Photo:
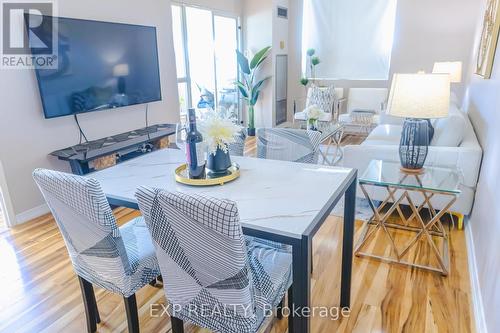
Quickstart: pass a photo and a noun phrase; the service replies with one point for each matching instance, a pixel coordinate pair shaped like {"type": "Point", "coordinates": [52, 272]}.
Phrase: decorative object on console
{"type": "Point", "coordinates": [219, 133]}
{"type": "Point", "coordinates": [249, 86]}
{"type": "Point", "coordinates": [418, 98]}
{"type": "Point", "coordinates": [489, 39]}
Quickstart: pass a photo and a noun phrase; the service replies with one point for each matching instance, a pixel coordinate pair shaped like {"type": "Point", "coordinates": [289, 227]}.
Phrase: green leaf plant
{"type": "Point", "coordinates": [249, 86]}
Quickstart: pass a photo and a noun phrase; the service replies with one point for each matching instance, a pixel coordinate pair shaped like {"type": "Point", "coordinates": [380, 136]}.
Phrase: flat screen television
{"type": "Point", "coordinates": [101, 66]}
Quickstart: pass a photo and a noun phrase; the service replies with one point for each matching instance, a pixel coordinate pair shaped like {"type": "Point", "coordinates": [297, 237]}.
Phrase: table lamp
{"type": "Point", "coordinates": [418, 98]}
{"type": "Point", "coordinates": [452, 68]}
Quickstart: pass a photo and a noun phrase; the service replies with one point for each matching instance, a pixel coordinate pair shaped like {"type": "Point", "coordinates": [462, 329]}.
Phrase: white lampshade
{"type": "Point", "coordinates": [453, 68]}
{"type": "Point", "coordinates": [421, 96]}
{"type": "Point", "coordinates": [120, 70]}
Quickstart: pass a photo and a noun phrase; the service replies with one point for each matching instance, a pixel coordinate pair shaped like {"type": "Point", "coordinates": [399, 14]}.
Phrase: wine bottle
{"type": "Point", "coordinates": [194, 148]}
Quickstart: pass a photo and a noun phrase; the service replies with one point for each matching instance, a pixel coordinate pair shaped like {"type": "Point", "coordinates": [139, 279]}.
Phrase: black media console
{"type": "Point", "coordinates": [119, 148]}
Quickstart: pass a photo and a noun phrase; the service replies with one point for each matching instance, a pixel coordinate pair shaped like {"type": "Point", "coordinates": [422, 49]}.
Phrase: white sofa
{"type": "Point", "coordinates": [383, 144]}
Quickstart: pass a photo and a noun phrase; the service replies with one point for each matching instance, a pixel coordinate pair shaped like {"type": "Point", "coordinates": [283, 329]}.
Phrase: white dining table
{"type": "Point", "coordinates": [281, 201]}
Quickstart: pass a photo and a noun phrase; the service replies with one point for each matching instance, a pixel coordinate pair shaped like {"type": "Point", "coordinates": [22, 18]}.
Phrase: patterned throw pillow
{"type": "Point", "coordinates": [322, 97]}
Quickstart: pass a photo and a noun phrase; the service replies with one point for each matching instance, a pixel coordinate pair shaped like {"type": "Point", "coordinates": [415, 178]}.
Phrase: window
{"type": "Point", "coordinates": [205, 46]}
{"type": "Point", "coordinates": [353, 39]}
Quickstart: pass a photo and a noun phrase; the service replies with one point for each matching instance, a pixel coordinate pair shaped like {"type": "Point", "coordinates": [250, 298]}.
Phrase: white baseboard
{"type": "Point", "coordinates": [32, 213]}
{"type": "Point", "coordinates": [477, 298]}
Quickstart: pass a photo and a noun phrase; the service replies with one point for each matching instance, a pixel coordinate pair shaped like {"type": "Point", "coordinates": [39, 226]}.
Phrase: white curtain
{"type": "Point", "coordinates": [352, 38]}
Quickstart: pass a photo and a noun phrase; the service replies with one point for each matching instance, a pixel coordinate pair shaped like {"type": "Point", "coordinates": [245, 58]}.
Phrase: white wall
{"type": "Point", "coordinates": [426, 31]}
{"type": "Point", "coordinates": [257, 34]}
{"type": "Point", "coordinates": [26, 137]}
{"type": "Point", "coordinates": [483, 104]}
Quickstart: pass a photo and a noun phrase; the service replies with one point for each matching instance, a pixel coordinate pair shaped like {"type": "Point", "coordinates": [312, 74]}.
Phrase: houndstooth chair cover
{"type": "Point", "coordinates": [237, 148]}
{"type": "Point", "coordinates": [207, 263]}
{"type": "Point", "coordinates": [122, 259]}
{"type": "Point", "coordinates": [287, 144]}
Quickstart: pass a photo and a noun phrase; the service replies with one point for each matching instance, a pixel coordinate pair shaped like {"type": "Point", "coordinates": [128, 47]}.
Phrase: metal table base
{"type": "Point", "coordinates": [333, 140]}
{"type": "Point", "coordinates": [426, 230]}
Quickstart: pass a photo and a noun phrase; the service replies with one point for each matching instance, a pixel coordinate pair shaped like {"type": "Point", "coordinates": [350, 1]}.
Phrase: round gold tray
{"type": "Point", "coordinates": [182, 176]}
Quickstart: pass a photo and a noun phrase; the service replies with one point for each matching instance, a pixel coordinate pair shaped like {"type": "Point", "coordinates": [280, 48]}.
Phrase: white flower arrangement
{"type": "Point", "coordinates": [218, 132]}
{"type": "Point", "coordinates": [313, 112]}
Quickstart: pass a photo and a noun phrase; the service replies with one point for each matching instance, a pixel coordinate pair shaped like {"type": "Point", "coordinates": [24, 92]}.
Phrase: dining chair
{"type": "Point", "coordinates": [209, 265]}
{"type": "Point", "coordinates": [287, 144]}
{"type": "Point", "coordinates": [118, 259]}
{"type": "Point", "coordinates": [237, 148]}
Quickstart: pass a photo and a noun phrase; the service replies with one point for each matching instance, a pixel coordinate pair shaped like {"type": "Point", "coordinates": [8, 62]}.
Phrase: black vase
{"type": "Point", "coordinates": [218, 163]}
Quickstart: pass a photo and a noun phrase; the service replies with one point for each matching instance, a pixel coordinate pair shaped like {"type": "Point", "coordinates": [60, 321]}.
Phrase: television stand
{"type": "Point", "coordinates": [99, 154]}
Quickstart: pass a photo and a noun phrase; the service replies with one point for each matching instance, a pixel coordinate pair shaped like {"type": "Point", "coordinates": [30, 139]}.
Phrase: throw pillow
{"type": "Point", "coordinates": [449, 131]}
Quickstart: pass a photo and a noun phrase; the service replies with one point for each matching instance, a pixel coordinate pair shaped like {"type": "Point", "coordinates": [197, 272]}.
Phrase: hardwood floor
{"type": "Point", "coordinates": [39, 291]}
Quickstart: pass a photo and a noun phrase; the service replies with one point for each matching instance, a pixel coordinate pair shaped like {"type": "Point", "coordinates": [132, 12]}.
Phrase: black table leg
{"type": "Point", "coordinates": [347, 245]}
{"type": "Point", "coordinates": [301, 287]}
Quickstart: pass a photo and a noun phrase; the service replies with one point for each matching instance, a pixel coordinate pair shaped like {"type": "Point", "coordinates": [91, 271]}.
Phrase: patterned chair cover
{"type": "Point", "coordinates": [120, 260]}
{"type": "Point", "coordinates": [207, 263]}
{"type": "Point", "coordinates": [287, 144]}
{"type": "Point", "coordinates": [237, 148]}
{"type": "Point", "coordinates": [323, 97]}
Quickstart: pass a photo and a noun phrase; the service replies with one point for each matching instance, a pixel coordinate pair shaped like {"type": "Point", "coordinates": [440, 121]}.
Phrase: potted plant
{"type": "Point", "coordinates": [218, 133]}
{"type": "Point", "coordinates": [249, 86]}
{"type": "Point", "coordinates": [313, 114]}
{"type": "Point", "coordinates": [305, 82]}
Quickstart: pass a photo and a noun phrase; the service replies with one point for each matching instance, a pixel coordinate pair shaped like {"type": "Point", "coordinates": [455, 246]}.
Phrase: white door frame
{"type": "Point", "coordinates": [5, 202]}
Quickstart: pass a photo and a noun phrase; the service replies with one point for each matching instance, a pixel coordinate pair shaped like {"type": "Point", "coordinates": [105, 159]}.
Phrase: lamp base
{"type": "Point", "coordinates": [412, 171]}
{"type": "Point", "coordinates": [414, 144]}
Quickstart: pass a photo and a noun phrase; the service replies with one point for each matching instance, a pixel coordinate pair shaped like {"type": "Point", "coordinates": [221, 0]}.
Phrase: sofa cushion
{"type": "Point", "coordinates": [449, 131]}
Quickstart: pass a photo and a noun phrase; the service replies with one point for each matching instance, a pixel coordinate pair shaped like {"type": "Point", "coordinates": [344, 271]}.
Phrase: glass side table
{"type": "Point", "coordinates": [331, 135]}
{"type": "Point", "coordinates": [415, 190]}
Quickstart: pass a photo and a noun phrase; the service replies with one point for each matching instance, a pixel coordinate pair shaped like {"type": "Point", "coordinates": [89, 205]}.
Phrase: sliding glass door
{"type": "Point", "coordinates": [205, 44]}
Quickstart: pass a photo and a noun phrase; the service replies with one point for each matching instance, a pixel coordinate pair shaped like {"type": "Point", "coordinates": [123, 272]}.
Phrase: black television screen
{"type": "Point", "coordinates": [100, 66]}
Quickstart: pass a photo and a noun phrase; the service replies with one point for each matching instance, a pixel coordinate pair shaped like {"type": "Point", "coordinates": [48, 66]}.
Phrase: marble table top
{"type": "Point", "coordinates": [274, 196]}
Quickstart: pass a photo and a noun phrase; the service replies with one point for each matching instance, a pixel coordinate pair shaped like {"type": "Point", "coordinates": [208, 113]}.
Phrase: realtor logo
{"type": "Point", "coordinates": [29, 35]}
